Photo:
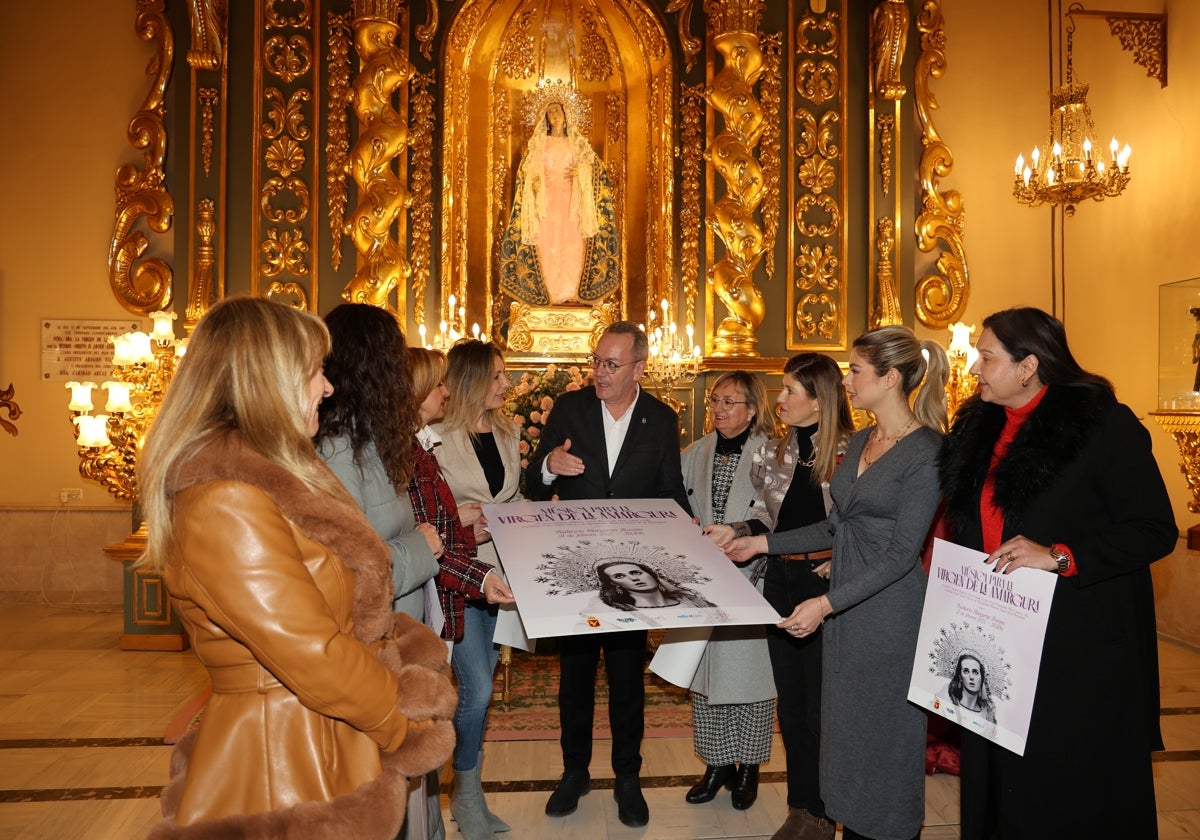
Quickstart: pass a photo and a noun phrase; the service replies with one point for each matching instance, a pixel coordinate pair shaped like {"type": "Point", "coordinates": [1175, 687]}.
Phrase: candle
{"type": "Point", "coordinates": [162, 331]}
{"type": "Point", "coordinates": [960, 338]}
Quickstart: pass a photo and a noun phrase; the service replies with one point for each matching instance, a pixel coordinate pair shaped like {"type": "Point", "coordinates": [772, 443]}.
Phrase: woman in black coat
{"type": "Point", "coordinates": [1043, 468]}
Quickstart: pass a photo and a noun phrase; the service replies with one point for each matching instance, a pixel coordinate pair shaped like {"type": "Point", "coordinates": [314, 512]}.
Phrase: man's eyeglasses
{"type": "Point", "coordinates": [724, 403]}
{"type": "Point", "coordinates": [608, 365]}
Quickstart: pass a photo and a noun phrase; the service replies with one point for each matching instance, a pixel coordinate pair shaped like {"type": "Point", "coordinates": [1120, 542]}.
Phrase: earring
{"type": "Point", "coordinates": [1025, 383]}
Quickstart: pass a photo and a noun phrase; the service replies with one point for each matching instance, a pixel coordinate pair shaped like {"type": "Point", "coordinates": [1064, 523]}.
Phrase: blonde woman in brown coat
{"type": "Point", "coordinates": [324, 702]}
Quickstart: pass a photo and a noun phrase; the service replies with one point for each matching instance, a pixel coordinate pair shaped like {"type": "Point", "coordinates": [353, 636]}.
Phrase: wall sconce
{"type": "Point", "coordinates": [962, 355]}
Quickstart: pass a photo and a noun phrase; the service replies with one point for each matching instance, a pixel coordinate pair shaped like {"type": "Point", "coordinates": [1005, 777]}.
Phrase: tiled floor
{"type": "Point", "coordinates": [81, 756]}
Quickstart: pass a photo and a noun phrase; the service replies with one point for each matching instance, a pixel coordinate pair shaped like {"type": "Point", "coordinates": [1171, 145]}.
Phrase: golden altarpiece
{"type": "Point", "coordinates": [767, 175]}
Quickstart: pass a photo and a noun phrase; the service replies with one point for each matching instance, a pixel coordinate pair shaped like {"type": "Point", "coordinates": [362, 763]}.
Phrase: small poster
{"type": "Point", "coordinates": [980, 645]}
{"type": "Point", "coordinates": [599, 566]}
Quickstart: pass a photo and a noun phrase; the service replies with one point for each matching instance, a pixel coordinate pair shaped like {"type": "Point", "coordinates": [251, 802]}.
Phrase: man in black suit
{"type": "Point", "coordinates": [610, 441]}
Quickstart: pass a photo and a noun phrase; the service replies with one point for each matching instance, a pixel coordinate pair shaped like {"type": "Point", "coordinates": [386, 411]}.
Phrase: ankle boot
{"type": "Point", "coordinates": [495, 823]}
{"type": "Point", "coordinates": [713, 780]}
{"type": "Point", "coordinates": [467, 805]}
{"type": "Point", "coordinates": [802, 825]}
{"type": "Point", "coordinates": [745, 786]}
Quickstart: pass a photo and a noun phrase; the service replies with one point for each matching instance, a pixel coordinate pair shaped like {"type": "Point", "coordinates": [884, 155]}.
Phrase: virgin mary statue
{"type": "Point", "coordinates": [560, 246]}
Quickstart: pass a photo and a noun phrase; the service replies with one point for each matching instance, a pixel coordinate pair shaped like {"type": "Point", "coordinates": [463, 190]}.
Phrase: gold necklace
{"type": "Point", "coordinates": [890, 440]}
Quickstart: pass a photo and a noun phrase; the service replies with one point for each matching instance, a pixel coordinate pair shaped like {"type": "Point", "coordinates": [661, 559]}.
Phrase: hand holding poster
{"type": "Point", "coordinates": [980, 644]}
{"type": "Point", "coordinates": [598, 566]}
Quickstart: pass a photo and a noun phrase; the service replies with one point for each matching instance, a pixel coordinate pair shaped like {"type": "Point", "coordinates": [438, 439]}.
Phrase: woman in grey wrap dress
{"type": "Point", "coordinates": [885, 495]}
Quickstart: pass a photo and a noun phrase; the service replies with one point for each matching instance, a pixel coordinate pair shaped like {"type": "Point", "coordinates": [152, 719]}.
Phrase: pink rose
{"type": "Point", "coordinates": [534, 432]}
{"type": "Point", "coordinates": [547, 403]}
{"type": "Point", "coordinates": [573, 386]}
{"type": "Point", "coordinates": [535, 417]}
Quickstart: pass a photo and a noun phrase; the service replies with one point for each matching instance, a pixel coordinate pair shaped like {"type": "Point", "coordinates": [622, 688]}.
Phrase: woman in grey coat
{"type": "Point", "coordinates": [733, 695]}
{"type": "Point", "coordinates": [885, 495]}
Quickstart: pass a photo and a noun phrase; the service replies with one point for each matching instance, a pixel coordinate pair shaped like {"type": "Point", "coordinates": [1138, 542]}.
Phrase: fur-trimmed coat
{"type": "Point", "coordinates": [1080, 472]}
{"type": "Point", "coordinates": [324, 701]}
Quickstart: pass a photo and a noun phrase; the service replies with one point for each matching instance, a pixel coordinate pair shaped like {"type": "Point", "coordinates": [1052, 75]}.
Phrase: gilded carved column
{"type": "Point", "coordinates": [734, 25]}
{"type": "Point", "coordinates": [382, 138]}
{"type": "Point", "coordinates": [145, 287]}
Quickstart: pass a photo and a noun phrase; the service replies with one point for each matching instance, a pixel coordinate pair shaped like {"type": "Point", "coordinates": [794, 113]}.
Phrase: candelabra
{"type": "Point", "coordinates": [673, 359]}
{"type": "Point", "coordinates": [109, 442]}
{"type": "Point", "coordinates": [451, 329]}
{"type": "Point", "coordinates": [109, 445]}
{"type": "Point", "coordinates": [962, 355]}
{"type": "Point", "coordinates": [1072, 174]}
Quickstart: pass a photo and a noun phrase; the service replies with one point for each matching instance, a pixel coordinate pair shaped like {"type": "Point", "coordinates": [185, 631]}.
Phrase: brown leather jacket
{"type": "Point", "coordinates": [312, 675]}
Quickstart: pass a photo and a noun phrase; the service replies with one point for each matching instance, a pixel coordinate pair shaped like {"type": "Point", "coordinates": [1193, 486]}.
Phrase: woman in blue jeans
{"type": "Point", "coordinates": [480, 459]}
{"type": "Point", "coordinates": [792, 475]}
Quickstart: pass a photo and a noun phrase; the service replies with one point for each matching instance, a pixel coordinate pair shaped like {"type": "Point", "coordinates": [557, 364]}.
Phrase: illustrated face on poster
{"type": "Point", "coordinates": [965, 656]}
{"type": "Point", "coordinates": [626, 565]}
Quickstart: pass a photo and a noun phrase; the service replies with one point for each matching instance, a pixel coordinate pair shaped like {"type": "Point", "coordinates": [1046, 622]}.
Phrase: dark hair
{"type": "Point", "coordinates": [956, 686]}
{"type": "Point", "coordinates": [641, 344]}
{"type": "Point", "coordinates": [821, 379]}
{"type": "Point", "coordinates": [373, 399]}
{"type": "Point", "coordinates": [620, 599]}
{"type": "Point", "coordinates": [1027, 331]}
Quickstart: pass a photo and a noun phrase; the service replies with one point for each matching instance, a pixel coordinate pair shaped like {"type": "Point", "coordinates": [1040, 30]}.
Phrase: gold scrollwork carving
{"type": "Point", "coordinates": [145, 287]}
{"type": "Point", "coordinates": [818, 266]}
{"type": "Point", "coordinates": [286, 115]}
{"type": "Point", "coordinates": [518, 47]}
{"type": "Point", "coordinates": [886, 126]}
{"type": "Point", "coordinates": [817, 80]}
{"type": "Point", "coordinates": [887, 306]}
{"type": "Point", "coordinates": [818, 36]}
{"type": "Point", "coordinates": [824, 202]}
{"type": "Point", "coordinates": [202, 283]}
{"type": "Point", "coordinates": [284, 251]}
{"type": "Point", "coordinates": [10, 406]}
{"type": "Point", "coordinates": [807, 325]}
{"type": "Point", "coordinates": [428, 30]}
{"type": "Point", "coordinates": [423, 124]}
{"type": "Point", "coordinates": [691, 138]}
{"type": "Point", "coordinates": [208, 99]}
{"type": "Point", "coordinates": [1184, 429]}
{"type": "Point", "coordinates": [275, 19]}
{"type": "Point", "coordinates": [383, 137]}
{"type": "Point", "coordinates": [595, 64]}
{"type": "Point", "coordinates": [278, 291]}
{"type": "Point", "coordinates": [771, 143]}
{"type": "Point", "coordinates": [940, 298]}
{"type": "Point", "coordinates": [691, 46]}
{"type": "Point", "coordinates": [817, 136]}
{"type": "Point", "coordinates": [889, 37]}
{"type": "Point", "coordinates": [337, 143]}
{"type": "Point", "coordinates": [273, 187]}
{"type": "Point", "coordinates": [732, 155]}
{"type": "Point", "coordinates": [208, 34]}
{"type": "Point", "coordinates": [1146, 37]}
{"type": "Point", "coordinates": [287, 58]}
{"type": "Point", "coordinates": [817, 174]}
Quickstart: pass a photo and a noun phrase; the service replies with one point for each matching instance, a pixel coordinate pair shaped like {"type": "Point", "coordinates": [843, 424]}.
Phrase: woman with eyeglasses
{"type": "Point", "coordinates": [733, 696]}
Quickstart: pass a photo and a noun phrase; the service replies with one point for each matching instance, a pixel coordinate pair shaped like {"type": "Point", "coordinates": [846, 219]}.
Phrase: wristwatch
{"type": "Point", "coordinates": [1061, 556]}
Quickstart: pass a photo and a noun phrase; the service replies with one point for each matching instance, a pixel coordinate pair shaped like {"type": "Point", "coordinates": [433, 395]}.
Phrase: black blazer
{"type": "Point", "coordinates": [647, 468]}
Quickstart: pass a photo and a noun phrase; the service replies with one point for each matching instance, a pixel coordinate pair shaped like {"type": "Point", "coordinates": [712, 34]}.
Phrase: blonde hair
{"type": "Point", "coordinates": [922, 365]}
{"type": "Point", "coordinates": [428, 369]}
{"type": "Point", "coordinates": [756, 400]}
{"type": "Point", "coordinates": [821, 379]}
{"type": "Point", "coordinates": [469, 374]}
{"type": "Point", "coordinates": [248, 367]}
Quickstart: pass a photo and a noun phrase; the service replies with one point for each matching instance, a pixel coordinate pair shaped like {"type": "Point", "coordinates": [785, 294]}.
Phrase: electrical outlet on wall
{"type": "Point", "coordinates": [70, 494]}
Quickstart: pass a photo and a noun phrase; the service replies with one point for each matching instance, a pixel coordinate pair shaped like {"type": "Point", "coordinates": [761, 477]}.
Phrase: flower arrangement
{"type": "Point", "coordinates": [532, 398]}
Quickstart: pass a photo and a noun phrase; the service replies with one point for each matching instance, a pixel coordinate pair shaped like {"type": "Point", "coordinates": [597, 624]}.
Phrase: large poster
{"type": "Point", "coordinates": [631, 564]}
{"type": "Point", "coordinates": [980, 645]}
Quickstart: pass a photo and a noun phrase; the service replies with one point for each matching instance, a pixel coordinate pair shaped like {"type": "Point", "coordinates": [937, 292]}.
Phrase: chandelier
{"type": "Point", "coordinates": [1068, 170]}
{"type": "Point", "coordinates": [673, 359]}
{"type": "Point", "coordinates": [109, 443]}
{"type": "Point", "coordinates": [961, 384]}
